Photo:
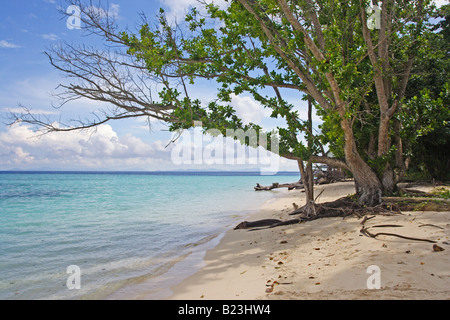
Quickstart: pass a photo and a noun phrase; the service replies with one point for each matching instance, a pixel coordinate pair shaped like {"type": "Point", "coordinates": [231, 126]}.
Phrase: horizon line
{"type": "Point", "coordinates": [135, 171]}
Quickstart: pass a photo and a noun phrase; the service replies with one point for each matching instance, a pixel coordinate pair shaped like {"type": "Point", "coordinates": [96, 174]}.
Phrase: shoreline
{"type": "Point", "coordinates": [158, 286]}
{"type": "Point", "coordinates": [323, 259]}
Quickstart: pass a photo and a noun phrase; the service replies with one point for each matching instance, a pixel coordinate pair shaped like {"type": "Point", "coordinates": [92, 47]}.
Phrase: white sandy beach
{"type": "Point", "coordinates": [325, 259]}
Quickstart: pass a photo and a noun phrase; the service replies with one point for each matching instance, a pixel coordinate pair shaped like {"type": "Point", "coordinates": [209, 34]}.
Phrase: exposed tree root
{"type": "Point", "coordinates": [347, 206]}
{"type": "Point", "coordinates": [342, 207]}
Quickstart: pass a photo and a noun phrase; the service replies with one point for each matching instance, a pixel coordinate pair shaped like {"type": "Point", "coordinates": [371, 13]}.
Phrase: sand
{"type": "Point", "coordinates": [327, 258]}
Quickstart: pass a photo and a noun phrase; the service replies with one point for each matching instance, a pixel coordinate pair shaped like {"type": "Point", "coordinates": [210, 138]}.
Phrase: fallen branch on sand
{"type": "Point", "coordinates": [266, 223]}
{"type": "Point", "coordinates": [365, 232]}
{"type": "Point", "coordinates": [430, 225]}
{"type": "Point", "coordinates": [419, 203]}
{"type": "Point", "coordinates": [275, 185]}
{"type": "Point", "coordinates": [387, 226]}
{"type": "Point", "coordinates": [320, 177]}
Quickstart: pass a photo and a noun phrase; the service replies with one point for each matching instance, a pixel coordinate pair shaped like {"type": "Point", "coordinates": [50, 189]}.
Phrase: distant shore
{"type": "Point", "coordinates": [157, 172]}
{"type": "Point", "coordinates": [327, 258]}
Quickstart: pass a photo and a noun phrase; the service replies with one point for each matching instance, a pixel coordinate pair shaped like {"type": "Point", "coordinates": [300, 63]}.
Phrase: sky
{"type": "Point", "coordinates": [27, 29]}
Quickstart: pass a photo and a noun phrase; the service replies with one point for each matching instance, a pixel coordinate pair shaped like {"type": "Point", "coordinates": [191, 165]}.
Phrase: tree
{"type": "Point", "coordinates": [425, 117]}
{"type": "Point", "coordinates": [321, 49]}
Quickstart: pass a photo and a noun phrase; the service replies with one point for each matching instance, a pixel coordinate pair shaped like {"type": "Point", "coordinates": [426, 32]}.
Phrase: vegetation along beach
{"type": "Point", "coordinates": [225, 150]}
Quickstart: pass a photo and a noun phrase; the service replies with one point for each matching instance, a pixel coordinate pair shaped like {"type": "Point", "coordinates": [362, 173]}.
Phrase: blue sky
{"type": "Point", "coordinates": [27, 29]}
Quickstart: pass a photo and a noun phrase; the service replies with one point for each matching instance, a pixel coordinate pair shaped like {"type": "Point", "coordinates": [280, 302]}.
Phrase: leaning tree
{"type": "Point", "coordinates": [355, 75]}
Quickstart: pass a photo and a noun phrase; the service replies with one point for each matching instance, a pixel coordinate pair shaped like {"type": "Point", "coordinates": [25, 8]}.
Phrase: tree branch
{"type": "Point", "coordinates": [296, 66]}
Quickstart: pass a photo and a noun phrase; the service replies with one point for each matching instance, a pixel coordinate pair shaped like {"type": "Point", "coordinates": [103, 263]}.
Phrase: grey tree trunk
{"type": "Point", "coordinates": [368, 186]}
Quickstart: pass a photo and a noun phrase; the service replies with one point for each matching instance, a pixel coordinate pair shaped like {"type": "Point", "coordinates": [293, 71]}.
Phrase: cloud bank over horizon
{"type": "Point", "coordinates": [22, 148]}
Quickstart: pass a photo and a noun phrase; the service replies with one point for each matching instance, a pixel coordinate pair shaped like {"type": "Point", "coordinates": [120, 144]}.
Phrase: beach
{"type": "Point", "coordinates": [327, 258]}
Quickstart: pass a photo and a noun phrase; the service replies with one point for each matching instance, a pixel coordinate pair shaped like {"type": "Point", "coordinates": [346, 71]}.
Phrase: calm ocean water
{"type": "Point", "coordinates": [120, 229]}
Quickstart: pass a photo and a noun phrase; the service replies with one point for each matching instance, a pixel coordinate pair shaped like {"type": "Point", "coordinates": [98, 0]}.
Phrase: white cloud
{"type": "Point", "coordinates": [248, 109]}
{"type": "Point", "coordinates": [21, 147]}
{"type": "Point", "coordinates": [177, 9]}
{"type": "Point", "coordinates": [440, 3]}
{"type": "Point", "coordinates": [8, 45]}
{"type": "Point", "coordinates": [113, 11]}
{"type": "Point", "coordinates": [49, 36]}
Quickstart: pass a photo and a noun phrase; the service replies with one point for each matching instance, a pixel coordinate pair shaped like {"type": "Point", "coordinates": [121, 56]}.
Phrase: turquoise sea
{"type": "Point", "coordinates": [131, 234]}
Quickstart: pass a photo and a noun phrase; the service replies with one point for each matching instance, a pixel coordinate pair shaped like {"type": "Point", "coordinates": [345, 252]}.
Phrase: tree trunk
{"type": "Point", "coordinates": [400, 163]}
{"type": "Point", "coordinates": [309, 209]}
{"type": "Point", "coordinates": [308, 175]}
{"type": "Point", "coordinates": [388, 180]}
{"type": "Point", "coordinates": [368, 186]}
{"type": "Point", "coordinates": [307, 179]}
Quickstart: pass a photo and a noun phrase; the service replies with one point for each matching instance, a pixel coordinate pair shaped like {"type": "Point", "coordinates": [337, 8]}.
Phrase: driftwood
{"type": "Point", "coordinates": [415, 199]}
{"type": "Point", "coordinates": [320, 177]}
{"type": "Point", "coordinates": [414, 193]}
{"type": "Point", "coordinates": [366, 218]}
{"type": "Point", "coordinates": [387, 226]}
{"type": "Point", "coordinates": [419, 203]}
{"type": "Point", "coordinates": [275, 185]}
{"type": "Point", "coordinates": [365, 232]}
{"type": "Point", "coordinates": [266, 223]}
{"type": "Point", "coordinates": [431, 225]}
{"type": "Point", "coordinates": [328, 176]}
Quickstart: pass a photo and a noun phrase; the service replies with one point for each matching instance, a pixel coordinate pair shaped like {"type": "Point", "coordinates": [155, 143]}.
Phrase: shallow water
{"type": "Point", "coordinates": [120, 229]}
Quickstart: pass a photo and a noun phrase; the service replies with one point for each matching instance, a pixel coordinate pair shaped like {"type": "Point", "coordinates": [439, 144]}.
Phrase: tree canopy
{"type": "Point", "coordinates": [361, 80]}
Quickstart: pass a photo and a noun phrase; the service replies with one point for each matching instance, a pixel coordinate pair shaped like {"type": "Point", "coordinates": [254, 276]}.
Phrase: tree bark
{"type": "Point", "coordinates": [388, 180]}
{"type": "Point", "coordinates": [308, 182]}
{"type": "Point", "coordinates": [307, 179]}
{"type": "Point", "coordinates": [367, 184]}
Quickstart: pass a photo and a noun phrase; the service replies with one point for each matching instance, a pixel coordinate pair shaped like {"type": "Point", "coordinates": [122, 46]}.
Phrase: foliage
{"type": "Point", "coordinates": [426, 113]}
{"type": "Point", "coordinates": [241, 57]}
{"type": "Point", "coordinates": [280, 52]}
{"type": "Point", "coordinates": [441, 193]}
